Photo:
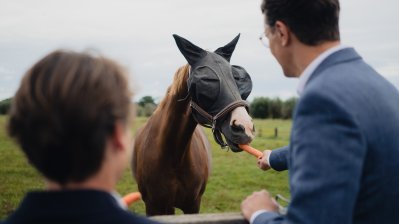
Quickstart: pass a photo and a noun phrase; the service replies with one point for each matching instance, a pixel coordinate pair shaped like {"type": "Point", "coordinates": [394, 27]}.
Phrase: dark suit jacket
{"type": "Point", "coordinates": [72, 207]}
{"type": "Point", "coordinates": [343, 157]}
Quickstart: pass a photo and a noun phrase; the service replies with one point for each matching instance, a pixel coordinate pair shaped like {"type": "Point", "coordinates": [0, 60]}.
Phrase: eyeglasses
{"type": "Point", "coordinates": [264, 36]}
{"type": "Point", "coordinates": [264, 39]}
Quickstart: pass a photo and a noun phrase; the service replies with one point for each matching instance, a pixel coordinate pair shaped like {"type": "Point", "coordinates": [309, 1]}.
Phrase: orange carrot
{"type": "Point", "coordinates": [258, 154]}
{"type": "Point", "coordinates": [131, 198]}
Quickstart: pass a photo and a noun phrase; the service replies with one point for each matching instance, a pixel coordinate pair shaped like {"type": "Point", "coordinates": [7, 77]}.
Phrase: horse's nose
{"type": "Point", "coordinates": [241, 123]}
{"type": "Point", "coordinates": [239, 129]}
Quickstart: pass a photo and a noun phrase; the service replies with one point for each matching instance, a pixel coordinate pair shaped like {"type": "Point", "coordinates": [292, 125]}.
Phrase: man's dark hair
{"type": "Point", "coordinates": [312, 21]}
{"type": "Point", "coordinates": [64, 110]}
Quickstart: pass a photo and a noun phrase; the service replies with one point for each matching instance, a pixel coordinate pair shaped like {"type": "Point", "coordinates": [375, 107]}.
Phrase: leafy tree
{"type": "Point", "coordinates": [275, 108]}
{"type": "Point", "coordinates": [288, 108]}
{"type": "Point", "coordinates": [5, 106]}
{"type": "Point", "coordinates": [264, 107]}
{"type": "Point", "coordinates": [146, 106]}
{"type": "Point", "coordinates": [146, 100]}
{"type": "Point", "coordinates": [259, 107]}
{"type": "Point", "coordinates": [149, 108]}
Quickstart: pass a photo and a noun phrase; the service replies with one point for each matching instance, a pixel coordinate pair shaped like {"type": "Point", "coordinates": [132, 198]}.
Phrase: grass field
{"type": "Point", "coordinates": [233, 177]}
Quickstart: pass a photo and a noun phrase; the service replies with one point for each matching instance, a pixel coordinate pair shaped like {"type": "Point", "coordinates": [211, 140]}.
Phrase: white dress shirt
{"type": "Point", "coordinates": [119, 200]}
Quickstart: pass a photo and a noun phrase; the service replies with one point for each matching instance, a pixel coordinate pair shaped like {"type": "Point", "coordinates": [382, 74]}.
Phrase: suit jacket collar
{"type": "Point", "coordinates": [67, 202]}
{"type": "Point", "coordinates": [307, 73]}
{"type": "Point", "coordinates": [341, 56]}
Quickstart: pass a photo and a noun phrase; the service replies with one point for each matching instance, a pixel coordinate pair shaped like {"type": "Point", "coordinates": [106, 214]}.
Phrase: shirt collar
{"type": "Point", "coordinates": [307, 73]}
{"type": "Point", "coordinates": [119, 200]}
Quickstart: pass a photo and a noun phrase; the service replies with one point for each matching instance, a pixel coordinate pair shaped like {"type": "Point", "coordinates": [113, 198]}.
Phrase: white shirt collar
{"type": "Point", "coordinates": [119, 200]}
{"type": "Point", "coordinates": [307, 73]}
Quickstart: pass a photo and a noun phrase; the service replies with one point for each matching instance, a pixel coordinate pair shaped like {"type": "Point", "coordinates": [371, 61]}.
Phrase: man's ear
{"type": "Point", "coordinates": [283, 33]}
{"type": "Point", "coordinates": [118, 137]}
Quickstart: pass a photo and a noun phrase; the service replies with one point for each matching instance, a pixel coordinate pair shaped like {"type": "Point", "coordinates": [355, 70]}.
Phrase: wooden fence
{"type": "Point", "coordinates": [219, 218]}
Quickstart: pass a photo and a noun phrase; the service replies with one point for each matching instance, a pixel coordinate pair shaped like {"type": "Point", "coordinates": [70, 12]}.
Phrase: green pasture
{"type": "Point", "coordinates": [233, 177]}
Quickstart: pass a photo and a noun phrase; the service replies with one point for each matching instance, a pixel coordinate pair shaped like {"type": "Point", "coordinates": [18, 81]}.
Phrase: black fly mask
{"type": "Point", "coordinates": [216, 88]}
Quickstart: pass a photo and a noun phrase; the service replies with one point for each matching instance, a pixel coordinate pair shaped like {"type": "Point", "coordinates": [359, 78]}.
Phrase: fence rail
{"type": "Point", "coordinates": [217, 218]}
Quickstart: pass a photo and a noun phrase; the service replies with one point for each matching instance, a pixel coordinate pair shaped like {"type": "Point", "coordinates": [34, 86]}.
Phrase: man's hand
{"type": "Point", "coordinates": [257, 201]}
{"type": "Point", "coordinates": [263, 162]}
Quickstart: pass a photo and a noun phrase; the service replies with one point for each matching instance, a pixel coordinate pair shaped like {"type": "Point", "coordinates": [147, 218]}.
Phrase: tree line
{"type": "Point", "coordinates": [274, 108]}
{"type": "Point", "coordinates": [260, 107]}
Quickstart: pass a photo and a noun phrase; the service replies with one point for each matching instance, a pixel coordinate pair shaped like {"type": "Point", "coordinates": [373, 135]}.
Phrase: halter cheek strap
{"type": "Point", "coordinates": [214, 119]}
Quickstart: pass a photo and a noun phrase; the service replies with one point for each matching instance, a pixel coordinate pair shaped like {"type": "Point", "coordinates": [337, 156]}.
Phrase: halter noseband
{"type": "Point", "coordinates": [213, 119]}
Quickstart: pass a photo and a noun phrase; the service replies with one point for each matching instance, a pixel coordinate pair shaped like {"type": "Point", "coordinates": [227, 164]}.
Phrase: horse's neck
{"type": "Point", "coordinates": [174, 116]}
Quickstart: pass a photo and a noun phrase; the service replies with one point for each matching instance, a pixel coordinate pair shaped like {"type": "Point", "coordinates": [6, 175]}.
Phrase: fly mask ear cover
{"type": "Point", "coordinates": [243, 81]}
{"type": "Point", "coordinates": [216, 87]}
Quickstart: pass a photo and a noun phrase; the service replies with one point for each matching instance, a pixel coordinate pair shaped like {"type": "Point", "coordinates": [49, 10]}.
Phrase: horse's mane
{"type": "Point", "coordinates": [178, 88]}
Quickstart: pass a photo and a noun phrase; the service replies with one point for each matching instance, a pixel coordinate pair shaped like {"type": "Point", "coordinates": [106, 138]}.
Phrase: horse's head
{"type": "Point", "coordinates": [218, 91]}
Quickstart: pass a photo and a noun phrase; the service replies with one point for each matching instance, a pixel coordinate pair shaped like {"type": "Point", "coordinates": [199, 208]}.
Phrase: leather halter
{"type": "Point", "coordinates": [214, 119]}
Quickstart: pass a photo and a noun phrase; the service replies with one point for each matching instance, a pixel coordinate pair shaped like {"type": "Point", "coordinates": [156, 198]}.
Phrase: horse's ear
{"type": "Point", "coordinates": [228, 49]}
{"type": "Point", "coordinates": [243, 81]}
{"type": "Point", "coordinates": [191, 52]}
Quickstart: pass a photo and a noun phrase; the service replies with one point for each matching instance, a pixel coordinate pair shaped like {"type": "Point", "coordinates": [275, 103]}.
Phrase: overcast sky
{"type": "Point", "coordinates": [138, 34]}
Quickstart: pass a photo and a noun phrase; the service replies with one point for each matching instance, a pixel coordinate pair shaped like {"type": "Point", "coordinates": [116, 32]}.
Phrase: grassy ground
{"type": "Point", "coordinates": [234, 175]}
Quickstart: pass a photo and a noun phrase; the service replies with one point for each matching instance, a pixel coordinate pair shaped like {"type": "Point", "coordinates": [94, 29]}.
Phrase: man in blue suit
{"type": "Point", "coordinates": [343, 156]}
{"type": "Point", "coordinates": [72, 117]}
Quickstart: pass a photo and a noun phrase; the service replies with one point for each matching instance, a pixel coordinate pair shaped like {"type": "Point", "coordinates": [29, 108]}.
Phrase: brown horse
{"type": "Point", "coordinates": [172, 155]}
{"type": "Point", "coordinates": [171, 159]}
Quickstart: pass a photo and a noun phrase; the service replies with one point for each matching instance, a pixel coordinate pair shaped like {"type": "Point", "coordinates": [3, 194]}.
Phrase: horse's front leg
{"type": "Point", "coordinates": [155, 208]}
{"type": "Point", "coordinates": [192, 207]}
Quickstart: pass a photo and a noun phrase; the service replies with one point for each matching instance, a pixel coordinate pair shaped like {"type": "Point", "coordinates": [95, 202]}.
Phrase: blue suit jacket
{"type": "Point", "coordinates": [343, 157]}
{"type": "Point", "coordinates": [67, 207]}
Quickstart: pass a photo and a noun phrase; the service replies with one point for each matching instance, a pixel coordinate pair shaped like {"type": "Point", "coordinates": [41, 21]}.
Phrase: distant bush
{"type": "Point", "coordinates": [146, 100]}
{"type": "Point", "coordinates": [5, 106]}
{"type": "Point", "coordinates": [264, 107]}
{"type": "Point", "coordinates": [259, 107]}
{"type": "Point", "coordinates": [145, 106]}
{"type": "Point", "coordinates": [146, 110]}
{"type": "Point", "coordinates": [288, 107]}
{"type": "Point", "coordinates": [275, 108]}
